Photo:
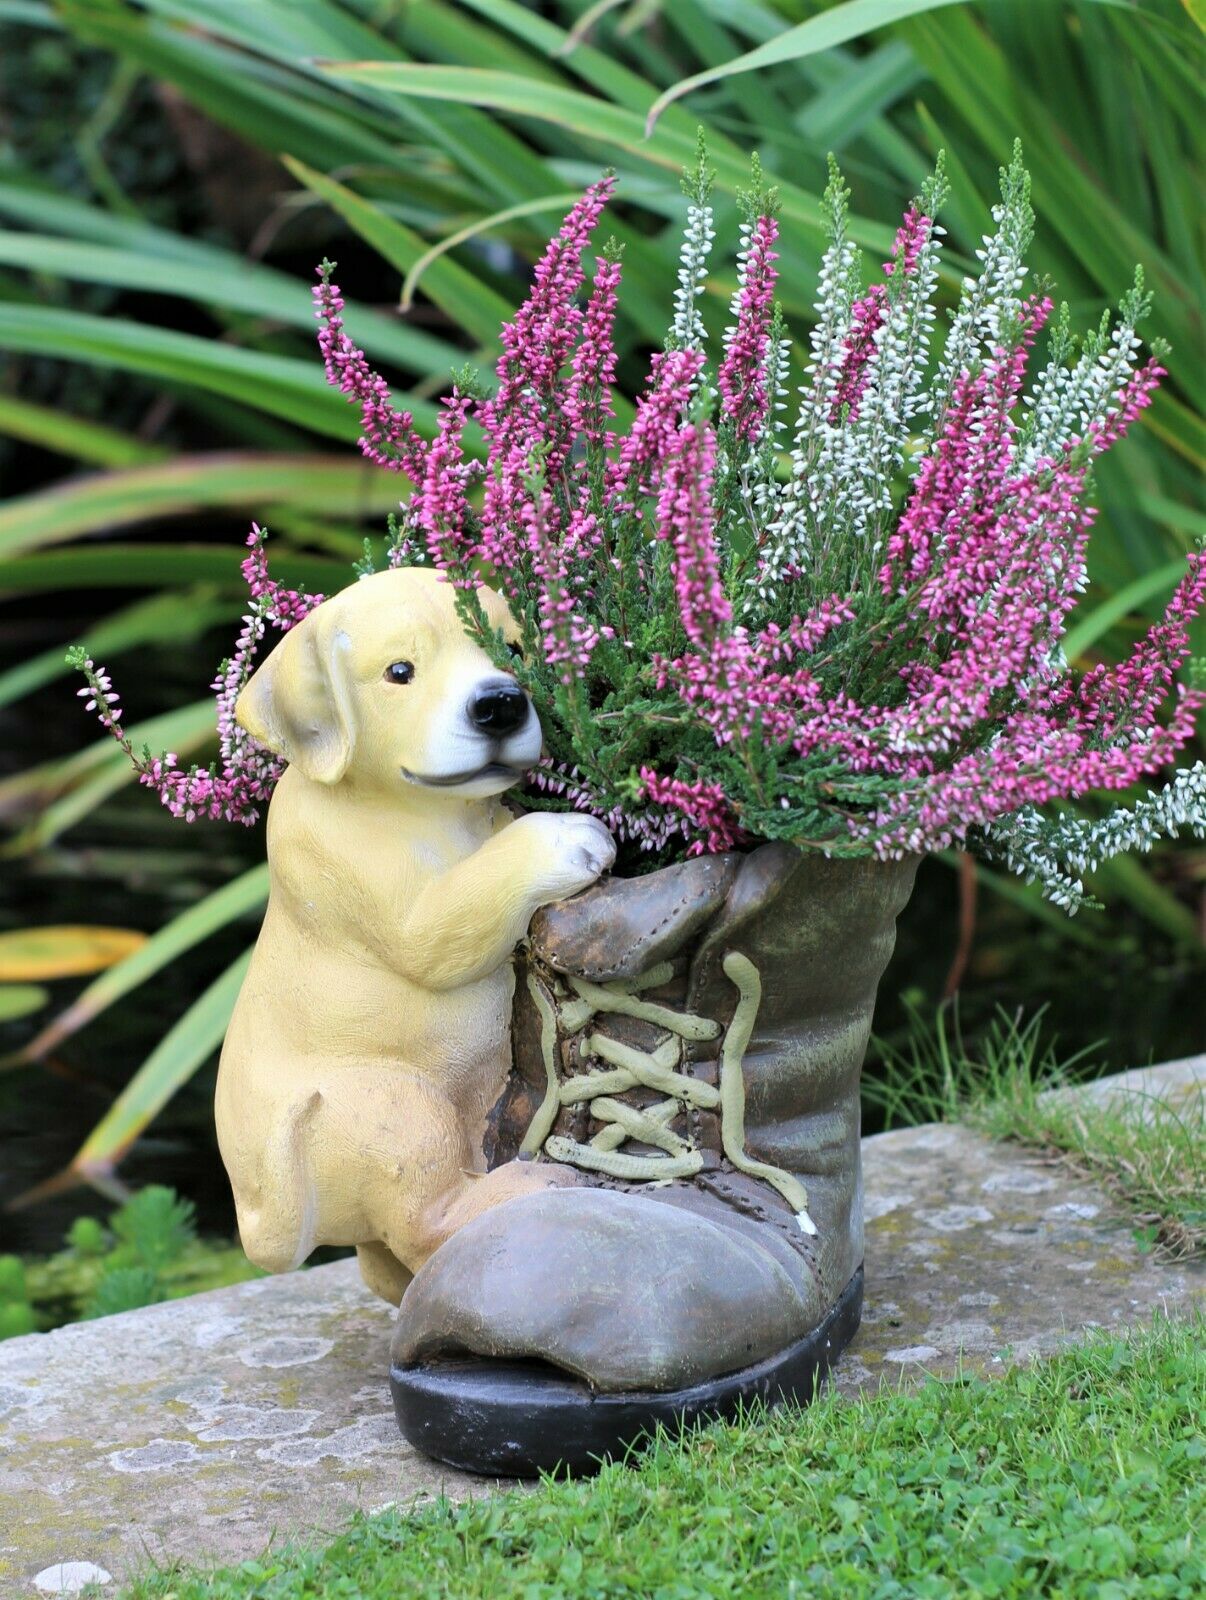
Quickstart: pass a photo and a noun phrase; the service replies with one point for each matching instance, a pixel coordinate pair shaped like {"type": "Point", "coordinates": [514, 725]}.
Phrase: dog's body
{"type": "Point", "coordinates": [371, 1036]}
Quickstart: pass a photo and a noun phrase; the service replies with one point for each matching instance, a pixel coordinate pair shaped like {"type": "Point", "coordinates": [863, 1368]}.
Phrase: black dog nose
{"type": "Point", "coordinates": [500, 708]}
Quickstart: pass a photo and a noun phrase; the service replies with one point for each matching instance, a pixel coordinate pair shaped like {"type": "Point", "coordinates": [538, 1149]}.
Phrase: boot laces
{"type": "Point", "coordinates": [660, 1069]}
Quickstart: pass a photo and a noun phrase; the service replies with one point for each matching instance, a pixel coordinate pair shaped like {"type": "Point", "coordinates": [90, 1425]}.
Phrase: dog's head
{"type": "Point", "coordinates": [381, 686]}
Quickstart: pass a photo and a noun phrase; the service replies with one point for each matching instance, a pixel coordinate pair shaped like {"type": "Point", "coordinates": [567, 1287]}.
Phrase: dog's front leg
{"type": "Point", "coordinates": [466, 922]}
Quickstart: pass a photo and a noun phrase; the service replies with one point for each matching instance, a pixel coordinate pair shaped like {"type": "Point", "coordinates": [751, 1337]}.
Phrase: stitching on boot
{"type": "Point", "coordinates": [684, 899]}
{"type": "Point", "coordinates": [721, 1187]}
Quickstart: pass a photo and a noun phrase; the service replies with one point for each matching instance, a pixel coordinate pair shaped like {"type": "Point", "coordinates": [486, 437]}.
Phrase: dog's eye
{"type": "Point", "coordinates": [514, 650]}
{"type": "Point", "coordinates": [399, 672]}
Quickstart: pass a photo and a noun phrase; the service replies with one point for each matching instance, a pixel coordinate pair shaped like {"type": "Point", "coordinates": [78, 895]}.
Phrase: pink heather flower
{"type": "Point", "coordinates": [742, 378]}
{"type": "Point", "coordinates": [866, 318]}
{"type": "Point", "coordinates": [703, 806]}
{"type": "Point", "coordinates": [530, 422]}
{"type": "Point", "coordinates": [930, 700]}
{"type": "Point", "coordinates": [1131, 400]}
{"type": "Point", "coordinates": [588, 404]}
{"type": "Point", "coordinates": [440, 508]}
{"type": "Point", "coordinates": [1033, 760]}
{"type": "Point", "coordinates": [942, 489]}
{"type": "Point", "coordinates": [684, 518]}
{"type": "Point", "coordinates": [1110, 699]}
{"type": "Point", "coordinates": [283, 607]}
{"type": "Point", "coordinates": [736, 687]}
{"type": "Point", "coordinates": [911, 239]}
{"type": "Point", "coordinates": [528, 416]}
{"type": "Point", "coordinates": [389, 439]}
{"type": "Point", "coordinates": [659, 411]}
{"type": "Point", "coordinates": [234, 789]}
{"type": "Point", "coordinates": [649, 827]}
{"type": "Point", "coordinates": [569, 638]}
{"type": "Point", "coordinates": [961, 484]}
{"type": "Point", "coordinates": [803, 635]}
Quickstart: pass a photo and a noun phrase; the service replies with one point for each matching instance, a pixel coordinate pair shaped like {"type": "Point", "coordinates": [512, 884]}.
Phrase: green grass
{"type": "Point", "coordinates": [1148, 1153]}
{"type": "Point", "coordinates": [1079, 1478]}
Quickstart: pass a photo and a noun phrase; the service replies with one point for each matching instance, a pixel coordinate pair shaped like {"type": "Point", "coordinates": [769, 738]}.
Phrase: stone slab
{"type": "Point", "coordinates": [208, 1427]}
{"type": "Point", "coordinates": [1175, 1081]}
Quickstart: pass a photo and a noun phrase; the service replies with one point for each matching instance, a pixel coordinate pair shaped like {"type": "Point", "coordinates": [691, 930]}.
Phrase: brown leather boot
{"type": "Point", "coordinates": [689, 1045]}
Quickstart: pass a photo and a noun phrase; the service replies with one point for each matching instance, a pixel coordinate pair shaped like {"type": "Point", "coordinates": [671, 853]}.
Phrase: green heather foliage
{"type": "Point", "coordinates": [161, 350]}
{"type": "Point", "coordinates": [1080, 1478]}
{"type": "Point", "coordinates": [123, 1289]}
{"type": "Point", "coordinates": [149, 1252]}
{"type": "Point", "coordinates": [154, 1226]}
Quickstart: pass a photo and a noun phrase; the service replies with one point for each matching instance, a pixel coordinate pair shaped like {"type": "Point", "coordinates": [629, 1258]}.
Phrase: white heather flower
{"type": "Point", "coordinates": [989, 304]}
{"type": "Point", "coordinates": [1057, 852]}
{"type": "Point", "coordinates": [812, 483]}
{"type": "Point", "coordinates": [687, 329]}
{"type": "Point", "coordinates": [1067, 401]}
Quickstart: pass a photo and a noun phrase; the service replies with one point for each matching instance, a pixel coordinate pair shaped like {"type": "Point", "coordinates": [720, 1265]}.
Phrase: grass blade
{"type": "Point", "coordinates": [241, 898]}
{"type": "Point", "coordinates": [474, 306]}
{"type": "Point", "coordinates": [185, 1047]}
{"type": "Point", "coordinates": [527, 208]}
{"type": "Point", "coordinates": [284, 386]}
{"type": "Point", "coordinates": [76, 437]}
{"type": "Point", "coordinates": [218, 278]}
{"type": "Point", "coordinates": [171, 617]}
{"type": "Point", "coordinates": [318, 484]}
{"type": "Point", "coordinates": [1085, 633]}
{"type": "Point", "coordinates": [1125, 878]}
{"type": "Point", "coordinates": [598, 121]}
{"type": "Point", "coordinates": [78, 784]}
{"type": "Point", "coordinates": [21, 1000]}
{"type": "Point", "coordinates": [152, 566]}
{"type": "Point", "coordinates": [75, 950]}
{"type": "Point", "coordinates": [839, 25]}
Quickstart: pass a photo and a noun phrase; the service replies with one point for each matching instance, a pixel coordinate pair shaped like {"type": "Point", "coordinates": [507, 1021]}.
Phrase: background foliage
{"type": "Point", "coordinates": [171, 171]}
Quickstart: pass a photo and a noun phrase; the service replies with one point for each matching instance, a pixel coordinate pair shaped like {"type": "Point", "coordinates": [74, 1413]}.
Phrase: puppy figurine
{"type": "Point", "coordinates": [371, 1035]}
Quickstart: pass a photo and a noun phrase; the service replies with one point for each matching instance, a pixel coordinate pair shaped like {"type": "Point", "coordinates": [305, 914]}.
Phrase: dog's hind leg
{"type": "Point", "coordinates": [383, 1272]}
{"type": "Point", "coordinates": [278, 1221]}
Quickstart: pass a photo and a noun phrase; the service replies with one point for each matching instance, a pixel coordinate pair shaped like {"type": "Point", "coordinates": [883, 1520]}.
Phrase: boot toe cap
{"type": "Point", "coordinates": [617, 1290]}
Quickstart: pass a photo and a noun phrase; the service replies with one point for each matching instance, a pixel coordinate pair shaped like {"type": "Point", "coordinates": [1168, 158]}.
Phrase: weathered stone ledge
{"type": "Point", "coordinates": [207, 1427]}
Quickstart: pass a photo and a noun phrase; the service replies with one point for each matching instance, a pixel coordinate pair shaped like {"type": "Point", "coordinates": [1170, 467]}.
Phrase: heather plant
{"type": "Point", "coordinates": [846, 634]}
{"type": "Point", "coordinates": [148, 1252]}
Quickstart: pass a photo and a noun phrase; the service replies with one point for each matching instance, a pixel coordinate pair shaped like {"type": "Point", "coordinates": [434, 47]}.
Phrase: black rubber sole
{"type": "Point", "coordinates": [517, 1419]}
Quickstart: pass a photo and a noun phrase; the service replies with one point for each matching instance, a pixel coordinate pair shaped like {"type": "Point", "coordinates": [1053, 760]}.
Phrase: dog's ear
{"type": "Point", "coordinates": [299, 701]}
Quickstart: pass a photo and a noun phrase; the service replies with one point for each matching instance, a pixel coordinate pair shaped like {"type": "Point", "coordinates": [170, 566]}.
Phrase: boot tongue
{"type": "Point", "coordinates": [624, 926]}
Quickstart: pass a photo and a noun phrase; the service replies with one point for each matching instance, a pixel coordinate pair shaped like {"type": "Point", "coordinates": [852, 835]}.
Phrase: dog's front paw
{"type": "Point", "coordinates": [577, 849]}
{"type": "Point", "coordinates": [589, 847]}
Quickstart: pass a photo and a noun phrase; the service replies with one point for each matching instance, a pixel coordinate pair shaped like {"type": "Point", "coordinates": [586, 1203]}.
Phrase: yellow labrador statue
{"type": "Point", "coordinates": [370, 1038]}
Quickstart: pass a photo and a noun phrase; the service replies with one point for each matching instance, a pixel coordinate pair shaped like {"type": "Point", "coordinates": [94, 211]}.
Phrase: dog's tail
{"type": "Point", "coordinates": [278, 1228]}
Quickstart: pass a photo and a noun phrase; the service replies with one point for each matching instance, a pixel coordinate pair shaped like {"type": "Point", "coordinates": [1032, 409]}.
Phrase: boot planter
{"type": "Point", "coordinates": [687, 1054]}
